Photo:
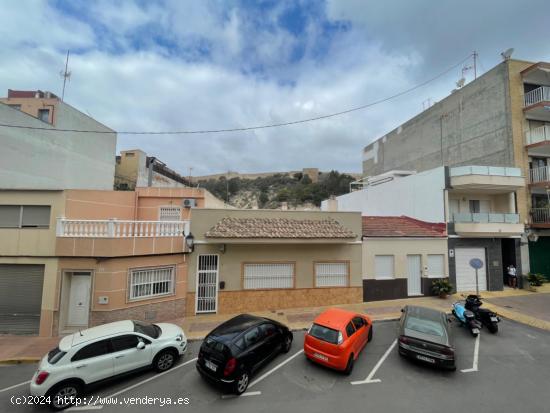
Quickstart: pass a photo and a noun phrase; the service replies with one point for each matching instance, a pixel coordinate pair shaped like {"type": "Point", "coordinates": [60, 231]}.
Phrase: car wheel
{"type": "Point", "coordinates": [369, 339]}
{"type": "Point", "coordinates": [287, 343]}
{"type": "Point", "coordinates": [165, 360]}
{"type": "Point", "coordinates": [241, 383]}
{"type": "Point", "coordinates": [64, 395]}
{"type": "Point", "coordinates": [349, 366]}
{"type": "Point", "coordinates": [493, 328]}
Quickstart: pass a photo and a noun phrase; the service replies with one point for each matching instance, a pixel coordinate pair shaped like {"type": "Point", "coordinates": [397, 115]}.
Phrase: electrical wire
{"type": "Point", "coordinates": [249, 128]}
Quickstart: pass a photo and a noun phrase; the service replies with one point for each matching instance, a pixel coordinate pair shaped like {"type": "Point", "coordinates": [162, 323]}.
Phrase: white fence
{"type": "Point", "coordinates": [540, 174]}
{"type": "Point", "coordinates": [485, 170]}
{"type": "Point", "coordinates": [484, 217]}
{"type": "Point", "coordinates": [114, 228]}
{"type": "Point", "coordinates": [536, 135]}
{"type": "Point", "coordinates": [540, 94]}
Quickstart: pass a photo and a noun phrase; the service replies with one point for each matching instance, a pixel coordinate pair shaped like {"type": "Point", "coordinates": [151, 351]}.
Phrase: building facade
{"type": "Point", "coordinates": [500, 119]}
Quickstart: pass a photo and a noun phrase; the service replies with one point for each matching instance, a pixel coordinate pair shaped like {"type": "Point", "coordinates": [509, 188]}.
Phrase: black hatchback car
{"type": "Point", "coordinates": [425, 335]}
{"type": "Point", "coordinates": [233, 351]}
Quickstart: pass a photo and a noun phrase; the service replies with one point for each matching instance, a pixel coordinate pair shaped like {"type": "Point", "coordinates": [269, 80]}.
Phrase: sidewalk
{"type": "Point", "coordinates": [518, 305]}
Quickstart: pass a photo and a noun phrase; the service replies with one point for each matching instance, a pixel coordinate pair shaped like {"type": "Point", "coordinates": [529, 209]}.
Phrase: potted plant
{"type": "Point", "coordinates": [442, 287]}
{"type": "Point", "coordinates": [535, 280]}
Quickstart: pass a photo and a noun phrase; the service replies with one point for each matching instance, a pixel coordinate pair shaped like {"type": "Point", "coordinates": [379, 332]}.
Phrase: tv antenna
{"type": "Point", "coordinates": [65, 75]}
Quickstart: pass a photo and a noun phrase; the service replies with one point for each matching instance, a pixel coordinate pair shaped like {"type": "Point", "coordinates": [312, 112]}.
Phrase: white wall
{"type": "Point", "coordinates": [419, 196]}
{"type": "Point", "coordinates": [42, 159]}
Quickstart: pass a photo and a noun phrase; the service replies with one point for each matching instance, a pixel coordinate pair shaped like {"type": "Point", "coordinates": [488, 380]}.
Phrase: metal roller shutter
{"type": "Point", "coordinates": [465, 274]}
{"type": "Point", "coordinates": [20, 298]}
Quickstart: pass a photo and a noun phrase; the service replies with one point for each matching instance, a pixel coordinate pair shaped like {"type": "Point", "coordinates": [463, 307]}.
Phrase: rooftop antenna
{"type": "Point", "coordinates": [65, 75]}
{"type": "Point", "coordinates": [507, 54]}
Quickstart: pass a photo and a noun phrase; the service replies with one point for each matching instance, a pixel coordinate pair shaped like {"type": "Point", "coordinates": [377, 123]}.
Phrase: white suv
{"type": "Point", "coordinates": [102, 352]}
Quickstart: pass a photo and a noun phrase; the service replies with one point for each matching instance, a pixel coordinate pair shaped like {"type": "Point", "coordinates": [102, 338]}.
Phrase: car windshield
{"type": "Point", "coordinates": [151, 330]}
{"type": "Point", "coordinates": [421, 325]}
{"type": "Point", "coordinates": [324, 333]}
{"type": "Point", "coordinates": [55, 355]}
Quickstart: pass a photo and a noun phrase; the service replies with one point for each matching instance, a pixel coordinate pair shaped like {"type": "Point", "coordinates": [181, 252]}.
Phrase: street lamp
{"type": "Point", "coordinates": [190, 242]}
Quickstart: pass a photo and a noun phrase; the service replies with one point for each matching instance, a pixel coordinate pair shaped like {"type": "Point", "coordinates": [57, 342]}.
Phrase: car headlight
{"type": "Point", "coordinates": [179, 337]}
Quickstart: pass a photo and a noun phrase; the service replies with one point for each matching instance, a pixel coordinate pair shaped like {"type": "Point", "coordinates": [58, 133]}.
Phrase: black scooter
{"type": "Point", "coordinates": [488, 318]}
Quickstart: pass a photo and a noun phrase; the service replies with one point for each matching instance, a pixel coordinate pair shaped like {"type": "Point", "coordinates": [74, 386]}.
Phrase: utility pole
{"type": "Point", "coordinates": [65, 75]}
{"type": "Point", "coordinates": [475, 64]}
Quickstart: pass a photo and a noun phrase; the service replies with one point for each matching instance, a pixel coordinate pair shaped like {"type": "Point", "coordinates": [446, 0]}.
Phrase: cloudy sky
{"type": "Point", "coordinates": [185, 65]}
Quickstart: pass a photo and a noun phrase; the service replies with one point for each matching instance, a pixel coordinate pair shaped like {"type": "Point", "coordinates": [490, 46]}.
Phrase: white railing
{"type": "Point", "coordinates": [485, 218]}
{"type": "Point", "coordinates": [485, 170]}
{"type": "Point", "coordinates": [536, 135]}
{"type": "Point", "coordinates": [540, 174]}
{"type": "Point", "coordinates": [540, 215]}
{"type": "Point", "coordinates": [540, 94]}
{"type": "Point", "coordinates": [115, 228]}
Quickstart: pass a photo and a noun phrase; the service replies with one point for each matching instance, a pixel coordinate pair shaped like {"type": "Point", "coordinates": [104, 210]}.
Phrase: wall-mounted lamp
{"type": "Point", "coordinates": [190, 242]}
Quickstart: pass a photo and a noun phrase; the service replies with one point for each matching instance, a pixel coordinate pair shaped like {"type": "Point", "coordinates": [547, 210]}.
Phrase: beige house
{"type": "Point", "coordinates": [402, 256]}
{"type": "Point", "coordinates": [251, 260]}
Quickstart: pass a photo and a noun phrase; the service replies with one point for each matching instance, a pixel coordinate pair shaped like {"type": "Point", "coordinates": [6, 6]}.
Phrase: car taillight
{"type": "Point", "coordinates": [230, 366]}
{"type": "Point", "coordinates": [41, 377]}
{"type": "Point", "coordinates": [404, 340]}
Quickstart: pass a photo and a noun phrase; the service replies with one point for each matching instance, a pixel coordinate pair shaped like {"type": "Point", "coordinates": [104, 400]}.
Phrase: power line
{"type": "Point", "coordinates": [243, 129]}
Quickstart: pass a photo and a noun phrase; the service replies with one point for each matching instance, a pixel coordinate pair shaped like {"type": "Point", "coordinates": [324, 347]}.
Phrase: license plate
{"type": "Point", "coordinates": [494, 319]}
{"type": "Point", "coordinates": [475, 330]}
{"type": "Point", "coordinates": [210, 365]}
{"type": "Point", "coordinates": [320, 356]}
{"type": "Point", "coordinates": [424, 358]}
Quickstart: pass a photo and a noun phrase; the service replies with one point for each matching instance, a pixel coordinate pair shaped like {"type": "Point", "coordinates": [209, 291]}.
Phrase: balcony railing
{"type": "Point", "coordinates": [485, 218]}
{"type": "Point", "coordinates": [540, 174]}
{"type": "Point", "coordinates": [541, 94]}
{"type": "Point", "coordinates": [485, 170]}
{"type": "Point", "coordinates": [536, 135]}
{"type": "Point", "coordinates": [540, 215]}
{"type": "Point", "coordinates": [115, 228]}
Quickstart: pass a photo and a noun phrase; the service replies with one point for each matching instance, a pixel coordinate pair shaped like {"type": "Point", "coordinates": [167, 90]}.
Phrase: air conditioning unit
{"type": "Point", "coordinates": [189, 203]}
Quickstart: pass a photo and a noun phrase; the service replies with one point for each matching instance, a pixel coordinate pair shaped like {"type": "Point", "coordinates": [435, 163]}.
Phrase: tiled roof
{"type": "Point", "coordinates": [282, 228]}
{"type": "Point", "coordinates": [401, 227]}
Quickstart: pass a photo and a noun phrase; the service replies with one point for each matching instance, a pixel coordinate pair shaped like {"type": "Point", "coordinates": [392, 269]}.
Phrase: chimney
{"type": "Point", "coordinates": [284, 206]}
{"type": "Point", "coordinates": [332, 204]}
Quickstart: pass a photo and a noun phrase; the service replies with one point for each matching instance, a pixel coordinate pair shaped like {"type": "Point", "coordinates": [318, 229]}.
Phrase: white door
{"type": "Point", "coordinates": [207, 284]}
{"type": "Point", "coordinates": [126, 354]}
{"type": "Point", "coordinates": [414, 275]}
{"type": "Point", "coordinates": [79, 299]}
{"type": "Point", "coordinates": [465, 274]}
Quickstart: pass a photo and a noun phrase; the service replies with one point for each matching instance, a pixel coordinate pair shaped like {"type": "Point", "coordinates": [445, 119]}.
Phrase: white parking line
{"type": "Point", "coordinates": [248, 393]}
{"type": "Point", "coordinates": [14, 386]}
{"type": "Point", "coordinates": [369, 378]}
{"type": "Point", "coordinates": [476, 357]}
{"type": "Point", "coordinates": [277, 367]}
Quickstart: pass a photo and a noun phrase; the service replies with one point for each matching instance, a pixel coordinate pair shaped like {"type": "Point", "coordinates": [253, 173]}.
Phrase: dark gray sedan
{"type": "Point", "coordinates": [424, 335]}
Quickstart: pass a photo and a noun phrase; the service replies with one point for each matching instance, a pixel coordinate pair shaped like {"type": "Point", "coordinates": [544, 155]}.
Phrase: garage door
{"type": "Point", "coordinates": [465, 274]}
{"type": "Point", "coordinates": [20, 298]}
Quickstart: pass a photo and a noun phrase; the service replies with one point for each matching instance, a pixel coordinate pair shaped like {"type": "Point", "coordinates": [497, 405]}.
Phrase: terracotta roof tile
{"type": "Point", "coordinates": [402, 226]}
{"type": "Point", "coordinates": [282, 228]}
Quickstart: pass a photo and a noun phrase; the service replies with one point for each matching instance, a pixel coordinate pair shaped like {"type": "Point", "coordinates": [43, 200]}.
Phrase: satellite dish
{"type": "Point", "coordinates": [507, 54]}
{"type": "Point", "coordinates": [460, 83]}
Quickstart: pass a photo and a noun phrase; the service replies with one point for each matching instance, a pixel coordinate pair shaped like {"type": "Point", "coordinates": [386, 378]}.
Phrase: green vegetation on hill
{"type": "Point", "coordinates": [271, 191]}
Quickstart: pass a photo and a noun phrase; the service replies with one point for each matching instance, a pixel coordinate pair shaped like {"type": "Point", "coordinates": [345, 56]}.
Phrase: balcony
{"type": "Point", "coordinates": [537, 103]}
{"type": "Point", "coordinates": [539, 176]}
{"type": "Point", "coordinates": [113, 237]}
{"type": "Point", "coordinates": [540, 217]}
{"type": "Point", "coordinates": [487, 224]}
{"type": "Point", "coordinates": [537, 141]}
{"type": "Point", "coordinates": [486, 178]}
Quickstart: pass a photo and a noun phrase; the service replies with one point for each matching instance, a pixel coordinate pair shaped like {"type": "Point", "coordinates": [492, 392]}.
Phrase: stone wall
{"type": "Point", "coordinates": [152, 312]}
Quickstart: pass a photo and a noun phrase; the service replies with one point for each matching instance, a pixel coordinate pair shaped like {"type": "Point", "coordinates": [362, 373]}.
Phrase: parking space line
{"type": "Point", "coordinates": [369, 378]}
{"type": "Point", "coordinates": [277, 367]}
{"type": "Point", "coordinates": [476, 357]}
{"type": "Point", "coordinates": [248, 393]}
{"type": "Point", "coordinates": [14, 386]}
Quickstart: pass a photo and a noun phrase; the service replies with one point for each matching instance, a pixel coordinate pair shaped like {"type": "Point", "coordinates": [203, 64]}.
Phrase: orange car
{"type": "Point", "coordinates": [337, 337]}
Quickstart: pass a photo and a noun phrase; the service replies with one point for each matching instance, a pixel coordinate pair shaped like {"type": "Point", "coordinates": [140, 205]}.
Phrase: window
{"type": "Point", "coordinates": [477, 206]}
{"type": "Point", "coordinates": [55, 355]}
{"type": "Point", "coordinates": [263, 276]}
{"type": "Point", "coordinates": [383, 267]}
{"type": "Point", "coordinates": [324, 333]}
{"type": "Point", "coordinates": [252, 337]}
{"type": "Point", "coordinates": [358, 322]}
{"type": "Point", "coordinates": [44, 115]}
{"type": "Point", "coordinates": [151, 330]}
{"type": "Point", "coordinates": [170, 213]}
{"type": "Point", "coordinates": [24, 216]}
{"type": "Point", "coordinates": [331, 274]}
{"type": "Point", "coordinates": [350, 329]}
{"type": "Point", "coordinates": [93, 350]}
{"type": "Point", "coordinates": [125, 342]}
{"type": "Point", "coordinates": [151, 282]}
{"type": "Point", "coordinates": [436, 265]}
{"type": "Point", "coordinates": [268, 329]}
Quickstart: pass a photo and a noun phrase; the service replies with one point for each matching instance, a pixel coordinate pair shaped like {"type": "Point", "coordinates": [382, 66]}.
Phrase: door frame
{"type": "Point", "coordinates": [419, 273]}
{"type": "Point", "coordinates": [197, 285]}
{"type": "Point", "coordinates": [66, 288]}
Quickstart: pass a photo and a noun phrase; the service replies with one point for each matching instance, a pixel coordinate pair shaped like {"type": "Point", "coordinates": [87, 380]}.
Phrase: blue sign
{"type": "Point", "coordinates": [476, 263]}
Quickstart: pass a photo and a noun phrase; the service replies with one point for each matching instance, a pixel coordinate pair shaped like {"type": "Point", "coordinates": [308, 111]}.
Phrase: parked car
{"type": "Point", "coordinates": [337, 337]}
{"type": "Point", "coordinates": [425, 335]}
{"type": "Point", "coordinates": [233, 351]}
{"type": "Point", "coordinates": [102, 352]}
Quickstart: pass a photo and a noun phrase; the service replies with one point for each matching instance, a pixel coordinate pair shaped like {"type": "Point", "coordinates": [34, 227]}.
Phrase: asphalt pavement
{"type": "Point", "coordinates": [510, 373]}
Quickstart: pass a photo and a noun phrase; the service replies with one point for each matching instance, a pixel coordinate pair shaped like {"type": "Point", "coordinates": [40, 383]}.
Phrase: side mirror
{"type": "Point", "coordinates": [140, 345]}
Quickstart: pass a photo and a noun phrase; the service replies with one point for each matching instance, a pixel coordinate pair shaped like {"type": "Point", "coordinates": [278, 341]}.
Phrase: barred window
{"type": "Point", "coordinates": [331, 274]}
{"type": "Point", "coordinates": [151, 282]}
{"type": "Point", "coordinates": [266, 276]}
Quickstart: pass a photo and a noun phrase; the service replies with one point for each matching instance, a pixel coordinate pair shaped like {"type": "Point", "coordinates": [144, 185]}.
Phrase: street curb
{"type": "Point", "coordinates": [20, 360]}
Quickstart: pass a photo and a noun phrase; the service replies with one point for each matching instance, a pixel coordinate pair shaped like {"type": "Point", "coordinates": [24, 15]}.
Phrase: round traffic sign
{"type": "Point", "coordinates": [476, 263]}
